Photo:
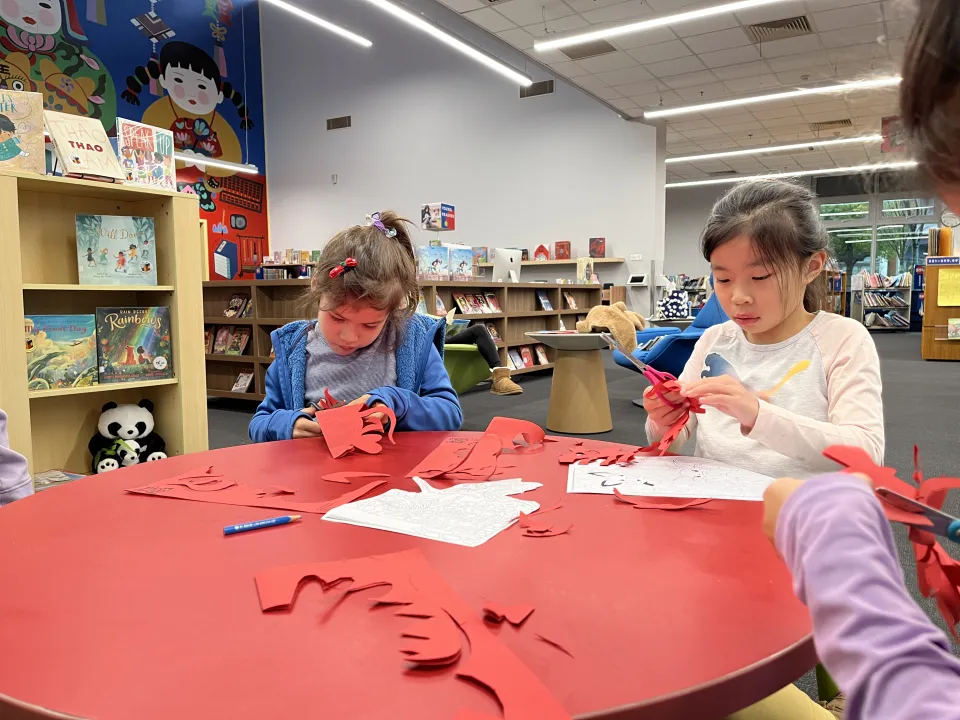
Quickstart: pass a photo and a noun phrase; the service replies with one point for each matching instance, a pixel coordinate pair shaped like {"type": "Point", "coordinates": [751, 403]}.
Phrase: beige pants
{"type": "Point", "coordinates": [790, 703]}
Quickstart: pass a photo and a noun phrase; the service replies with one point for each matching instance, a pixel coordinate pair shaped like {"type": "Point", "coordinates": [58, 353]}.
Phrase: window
{"type": "Point", "coordinates": [900, 248]}
{"type": "Point", "coordinates": [907, 208]}
{"type": "Point", "coordinates": [845, 212]}
{"type": "Point", "coordinates": [851, 247]}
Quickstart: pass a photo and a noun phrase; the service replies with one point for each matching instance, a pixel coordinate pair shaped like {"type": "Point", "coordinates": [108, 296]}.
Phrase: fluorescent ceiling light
{"type": "Point", "coordinates": [325, 24]}
{"type": "Point", "coordinates": [776, 149]}
{"type": "Point", "coordinates": [224, 164]}
{"type": "Point", "coordinates": [821, 90]}
{"type": "Point", "coordinates": [447, 39]}
{"type": "Point", "coordinates": [636, 27]}
{"type": "Point", "coordinates": [799, 173]}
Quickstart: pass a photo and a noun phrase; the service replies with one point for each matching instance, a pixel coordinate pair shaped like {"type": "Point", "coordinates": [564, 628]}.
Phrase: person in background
{"type": "Point", "coordinates": [14, 479]}
{"type": "Point", "coordinates": [477, 334]}
{"type": "Point", "coordinates": [367, 345]}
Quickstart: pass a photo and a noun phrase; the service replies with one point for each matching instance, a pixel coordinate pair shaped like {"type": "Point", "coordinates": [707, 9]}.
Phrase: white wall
{"type": "Point", "coordinates": [687, 211]}
{"type": "Point", "coordinates": [430, 125]}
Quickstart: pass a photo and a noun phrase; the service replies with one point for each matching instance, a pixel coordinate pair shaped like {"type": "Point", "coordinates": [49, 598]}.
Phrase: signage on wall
{"type": "Point", "coordinates": [943, 260]}
{"type": "Point", "coordinates": [894, 139]}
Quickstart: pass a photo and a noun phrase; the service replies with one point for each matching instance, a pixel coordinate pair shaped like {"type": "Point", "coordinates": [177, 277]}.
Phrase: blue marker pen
{"type": "Point", "coordinates": [233, 529]}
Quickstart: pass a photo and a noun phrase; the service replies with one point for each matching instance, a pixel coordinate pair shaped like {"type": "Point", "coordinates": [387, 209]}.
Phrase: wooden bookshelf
{"type": "Point", "coordinates": [888, 301]}
{"type": "Point", "coordinates": [935, 343]}
{"type": "Point", "coordinates": [38, 275]}
{"type": "Point", "coordinates": [835, 297]}
{"type": "Point", "coordinates": [276, 303]}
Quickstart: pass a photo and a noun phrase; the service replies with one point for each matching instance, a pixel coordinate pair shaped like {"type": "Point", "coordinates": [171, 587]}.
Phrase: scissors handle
{"type": "Point", "coordinates": [953, 531]}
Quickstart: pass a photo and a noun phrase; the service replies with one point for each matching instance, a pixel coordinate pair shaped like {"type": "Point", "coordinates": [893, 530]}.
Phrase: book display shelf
{"type": "Point", "coordinates": [941, 309]}
{"type": "Point", "coordinates": [275, 303]}
{"type": "Point", "coordinates": [39, 275]}
{"type": "Point", "coordinates": [880, 302]}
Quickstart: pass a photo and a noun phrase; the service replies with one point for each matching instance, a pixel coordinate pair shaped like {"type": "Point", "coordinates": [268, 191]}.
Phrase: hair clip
{"type": "Point", "coordinates": [376, 222]}
{"type": "Point", "coordinates": [344, 267]}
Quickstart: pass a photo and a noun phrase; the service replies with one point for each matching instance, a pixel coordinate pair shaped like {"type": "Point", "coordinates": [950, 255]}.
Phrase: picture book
{"type": "Point", "coordinates": [480, 254]}
{"type": "Point", "coordinates": [461, 300]}
{"type": "Point", "coordinates": [61, 351]}
{"type": "Point", "coordinates": [82, 147]}
{"type": "Point", "coordinates": [584, 271]}
{"type": "Point", "coordinates": [515, 360]}
{"type": "Point", "coordinates": [208, 335]}
{"type": "Point", "coordinates": [571, 303]}
{"type": "Point", "coordinates": [248, 310]}
{"type": "Point", "coordinates": [461, 263]}
{"type": "Point", "coordinates": [243, 382]}
{"type": "Point", "coordinates": [492, 302]}
{"type": "Point", "coordinates": [455, 327]}
{"type": "Point", "coordinates": [238, 341]}
{"type": "Point", "coordinates": [953, 329]}
{"type": "Point", "coordinates": [116, 250]}
{"type": "Point", "coordinates": [544, 300]}
{"type": "Point", "coordinates": [441, 308]}
{"type": "Point", "coordinates": [146, 154]}
{"type": "Point", "coordinates": [53, 478]}
{"type": "Point", "coordinates": [598, 247]}
{"type": "Point", "coordinates": [237, 305]}
{"type": "Point", "coordinates": [475, 304]}
{"type": "Point", "coordinates": [133, 343]}
{"type": "Point", "coordinates": [492, 329]}
{"type": "Point", "coordinates": [434, 263]}
{"type": "Point", "coordinates": [541, 253]}
{"type": "Point", "coordinates": [21, 132]}
{"type": "Point", "coordinates": [526, 354]}
{"type": "Point", "coordinates": [541, 355]}
{"type": "Point", "coordinates": [222, 341]}
{"type": "Point", "coordinates": [561, 250]}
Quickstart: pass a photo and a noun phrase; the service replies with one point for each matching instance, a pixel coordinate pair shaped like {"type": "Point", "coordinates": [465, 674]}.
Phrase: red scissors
{"type": "Point", "coordinates": [655, 377]}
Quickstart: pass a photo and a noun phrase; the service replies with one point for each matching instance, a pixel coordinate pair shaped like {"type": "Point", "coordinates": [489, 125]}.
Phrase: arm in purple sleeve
{"type": "Point", "coordinates": [15, 482]}
{"type": "Point", "coordinates": [890, 661]}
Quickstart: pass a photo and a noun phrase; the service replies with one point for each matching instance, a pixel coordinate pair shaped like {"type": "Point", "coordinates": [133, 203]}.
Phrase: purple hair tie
{"type": "Point", "coordinates": [376, 222]}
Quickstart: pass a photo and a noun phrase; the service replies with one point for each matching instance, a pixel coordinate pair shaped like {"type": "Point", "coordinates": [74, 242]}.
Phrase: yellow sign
{"type": "Point", "coordinates": [948, 287]}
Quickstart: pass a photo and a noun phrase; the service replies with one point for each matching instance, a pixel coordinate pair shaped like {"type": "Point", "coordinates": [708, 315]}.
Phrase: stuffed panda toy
{"type": "Point", "coordinates": [125, 437]}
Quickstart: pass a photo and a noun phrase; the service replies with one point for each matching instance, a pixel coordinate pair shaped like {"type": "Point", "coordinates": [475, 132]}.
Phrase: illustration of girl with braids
{"type": "Point", "coordinates": [194, 90]}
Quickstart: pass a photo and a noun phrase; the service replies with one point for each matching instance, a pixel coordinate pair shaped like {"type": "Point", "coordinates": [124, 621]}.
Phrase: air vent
{"type": "Point", "coordinates": [493, 2]}
{"type": "Point", "coordinates": [339, 123]}
{"type": "Point", "coordinates": [779, 29]}
{"type": "Point", "coordinates": [544, 87]}
{"type": "Point", "coordinates": [831, 125]}
{"type": "Point", "coordinates": [723, 173]}
{"type": "Point", "coordinates": [586, 50]}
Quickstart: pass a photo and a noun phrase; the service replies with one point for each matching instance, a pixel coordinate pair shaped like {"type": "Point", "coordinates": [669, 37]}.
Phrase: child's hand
{"type": "Point", "coordinates": [376, 416]}
{"type": "Point", "coordinates": [729, 396]}
{"type": "Point", "coordinates": [661, 412]}
{"type": "Point", "coordinates": [307, 427]}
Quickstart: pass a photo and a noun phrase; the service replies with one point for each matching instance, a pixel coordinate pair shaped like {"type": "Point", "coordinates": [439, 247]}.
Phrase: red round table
{"type": "Point", "coordinates": [118, 606]}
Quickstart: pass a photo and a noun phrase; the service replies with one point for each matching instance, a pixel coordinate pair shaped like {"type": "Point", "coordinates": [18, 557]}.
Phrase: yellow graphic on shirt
{"type": "Point", "coordinates": [795, 370]}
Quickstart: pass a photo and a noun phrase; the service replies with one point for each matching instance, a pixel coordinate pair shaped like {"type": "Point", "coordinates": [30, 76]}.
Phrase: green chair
{"type": "Point", "coordinates": [465, 366]}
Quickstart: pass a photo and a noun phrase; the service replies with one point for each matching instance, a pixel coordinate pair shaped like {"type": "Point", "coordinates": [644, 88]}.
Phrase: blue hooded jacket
{"type": "Point", "coordinates": [423, 398]}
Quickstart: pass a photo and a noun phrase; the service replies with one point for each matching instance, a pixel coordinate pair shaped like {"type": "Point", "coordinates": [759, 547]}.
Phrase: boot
{"type": "Point", "coordinates": [502, 384]}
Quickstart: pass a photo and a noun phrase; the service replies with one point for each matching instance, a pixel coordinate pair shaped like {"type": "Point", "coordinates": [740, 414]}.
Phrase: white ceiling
{"type": "Point", "coordinates": [715, 59]}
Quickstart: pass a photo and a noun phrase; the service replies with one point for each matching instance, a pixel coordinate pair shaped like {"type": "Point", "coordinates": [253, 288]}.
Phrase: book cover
{"type": "Point", "coordinates": [146, 154]}
{"type": "Point", "coordinates": [541, 253]}
{"type": "Point", "coordinates": [480, 254]}
{"type": "Point", "coordinates": [542, 355]}
{"type": "Point", "coordinates": [238, 341]}
{"type": "Point", "coordinates": [524, 254]}
{"type": "Point", "coordinates": [475, 304]}
{"type": "Point", "coordinates": [561, 250]}
{"type": "Point", "coordinates": [953, 329]}
{"type": "Point", "coordinates": [492, 329]}
{"type": "Point", "coordinates": [248, 310]}
{"type": "Point", "coordinates": [584, 271]}
{"type": "Point", "coordinates": [222, 342]}
{"type": "Point", "coordinates": [484, 305]}
{"type": "Point", "coordinates": [461, 300]}
{"type": "Point", "coordinates": [434, 262]}
{"type": "Point", "coordinates": [598, 247]}
{"type": "Point", "coordinates": [243, 382]}
{"type": "Point", "coordinates": [61, 351]}
{"type": "Point", "coordinates": [571, 303]}
{"type": "Point", "coordinates": [441, 308]}
{"type": "Point", "coordinates": [21, 132]}
{"type": "Point", "coordinates": [526, 354]}
{"type": "Point", "coordinates": [237, 305]}
{"type": "Point", "coordinates": [53, 478]}
{"type": "Point", "coordinates": [515, 360]}
{"type": "Point", "coordinates": [461, 263]}
{"type": "Point", "coordinates": [133, 343]}
{"type": "Point", "coordinates": [82, 147]}
{"type": "Point", "coordinates": [492, 302]}
{"type": "Point", "coordinates": [116, 250]}
{"type": "Point", "coordinates": [208, 337]}
{"type": "Point", "coordinates": [544, 300]}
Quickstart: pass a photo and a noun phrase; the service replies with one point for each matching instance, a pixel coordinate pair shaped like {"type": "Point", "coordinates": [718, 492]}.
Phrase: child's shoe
{"type": "Point", "coordinates": [502, 384]}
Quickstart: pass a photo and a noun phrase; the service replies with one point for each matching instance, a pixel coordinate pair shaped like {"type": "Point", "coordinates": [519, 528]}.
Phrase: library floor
{"type": "Point", "coordinates": [919, 401]}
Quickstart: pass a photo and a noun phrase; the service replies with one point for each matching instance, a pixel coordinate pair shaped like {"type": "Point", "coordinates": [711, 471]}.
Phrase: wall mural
{"type": "Point", "coordinates": [190, 66]}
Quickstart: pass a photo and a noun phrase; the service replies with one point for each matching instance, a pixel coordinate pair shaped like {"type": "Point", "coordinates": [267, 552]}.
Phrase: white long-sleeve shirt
{"type": "Point", "coordinates": [836, 400]}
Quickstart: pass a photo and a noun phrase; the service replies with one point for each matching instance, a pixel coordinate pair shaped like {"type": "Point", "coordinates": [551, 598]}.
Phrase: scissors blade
{"type": "Point", "coordinates": [940, 522]}
{"type": "Point", "coordinates": [613, 342]}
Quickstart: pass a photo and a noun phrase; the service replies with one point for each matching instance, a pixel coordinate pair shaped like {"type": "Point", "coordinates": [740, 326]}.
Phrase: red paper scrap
{"type": "Point", "coordinates": [651, 503]}
{"type": "Point", "coordinates": [467, 714]}
{"type": "Point", "coordinates": [555, 644]}
{"type": "Point", "coordinates": [344, 477]}
{"type": "Point", "coordinates": [938, 574]}
{"type": "Point", "coordinates": [351, 428]}
{"type": "Point", "coordinates": [481, 462]}
{"type": "Point", "coordinates": [534, 526]}
{"type": "Point", "coordinates": [509, 429]}
{"type": "Point", "coordinates": [513, 614]}
{"type": "Point", "coordinates": [414, 583]}
{"type": "Point", "coordinates": [608, 454]}
{"type": "Point", "coordinates": [448, 455]}
{"type": "Point", "coordinates": [560, 528]}
{"type": "Point", "coordinates": [280, 490]}
{"type": "Point", "coordinates": [693, 406]}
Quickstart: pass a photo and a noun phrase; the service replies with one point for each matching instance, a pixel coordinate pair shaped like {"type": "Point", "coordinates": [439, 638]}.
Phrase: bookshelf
{"type": "Point", "coordinates": [836, 295]}
{"type": "Point", "coordinates": [935, 343]}
{"type": "Point", "coordinates": [38, 275]}
{"type": "Point", "coordinates": [881, 303]}
{"type": "Point", "coordinates": [275, 303]}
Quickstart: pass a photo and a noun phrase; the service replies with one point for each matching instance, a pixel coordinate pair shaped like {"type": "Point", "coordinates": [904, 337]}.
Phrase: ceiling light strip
{"type": "Point", "coordinates": [873, 83]}
{"type": "Point", "coordinates": [636, 27]}
{"type": "Point", "coordinates": [447, 39]}
{"type": "Point", "coordinates": [224, 164]}
{"type": "Point", "coordinates": [799, 173]}
{"type": "Point", "coordinates": [325, 24]}
{"type": "Point", "coordinates": [776, 149]}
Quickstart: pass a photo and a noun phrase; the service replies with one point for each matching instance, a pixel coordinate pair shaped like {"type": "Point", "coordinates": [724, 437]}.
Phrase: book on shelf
{"type": "Point", "coordinates": [82, 147]}
{"type": "Point", "coordinates": [133, 344]}
{"type": "Point", "coordinates": [116, 250]}
{"type": "Point", "coordinates": [461, 300]}
{"type": "Point", "coordinates": [516, 361]}
{"type": "Point", "coordinates": [526, 355]}
{"type": "Point", "coordinates": [456, 326]}
{"type": "Point", "coordinates": [61, 351]}
{"type": "Point", "coordinates": [953, 329]}
{"type": "Point", "coordinates": [544, 300]}
{"type": "Point", "coordinates": [222, 341]}
{"type": "Point", "coordinates": [492, 302]}
{"type": "Point", "coordinates": [562, 325]}
{"type": "Point", "coordinates": [476, 304]}
{"type": "Point", "coordinates": [571, 303]}
{"type": "Point", "coordinates": [53, 478]}
{"type": "Point", "coordinates": [238, 341]}
{"type": "Point", "coordinates": [209, 334]}
{"type": "Point", "coordinates": [873, 300]}
{"type": "Point", "coordinates": [21, 132]}
{"type": "Point", "coordinates": [461, 263]}
{"type": "Point", "coordinates": [540, 253]}
{"type": "Point", "coordinates": [479, 255]}
{"type": "Point", "coordinates": [492, 329]}
{"type": "Point", "coordinates": [236, 306]}
{"type": "Point", "coordinates": [433, 262]}
{"type": "Point", "coordinates": [146, 154]}
{"type": "Point", "coordinates": [598, 247]}
{"type": "Point", "coordinates": [440, 307]}
{"type": "Point", "coordinates": [541, 355]}
{"type": "Point", "coordinates": [561, 250]}
{"type": "Point", "coordinates": [886, 320]}
{"type": "Point", "coordinates": [243, 382]}
{"type": "Point", "coordinates": [248, 310]}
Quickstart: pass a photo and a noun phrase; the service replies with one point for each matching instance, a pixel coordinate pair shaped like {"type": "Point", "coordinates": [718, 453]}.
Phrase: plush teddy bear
{"type": "Point", "coordinates": [616, 320]}
{"type": "Point", "coordinates": [125, 437]}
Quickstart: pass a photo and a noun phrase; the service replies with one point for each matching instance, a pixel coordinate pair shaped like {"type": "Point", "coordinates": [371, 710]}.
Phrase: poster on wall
{"type": "Point", "coordinates": [894, 138]}
{"type": "Point", "coordinates": [191, 67]}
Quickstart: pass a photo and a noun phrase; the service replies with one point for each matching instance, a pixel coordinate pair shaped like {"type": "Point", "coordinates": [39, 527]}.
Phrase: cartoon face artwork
{"type": "Point", "coordinates": [44, 17]}
{"type": "Point", "coordinates": [190, 90]}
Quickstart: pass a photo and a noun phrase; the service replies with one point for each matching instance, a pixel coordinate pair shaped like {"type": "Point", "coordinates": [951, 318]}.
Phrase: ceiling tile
{"type": "Point", "coordinates": [528, 12]}
{"type": "Point", "coordinates": [786, 122]}
{"type": "Point", "coordinates": [463, 5]}
{"type": "Point", "coordinates": [653, 36]}
{"type": "Point", "coordinates": [518, 37]}
{"type": "Point", "coordinates": [685, 125]}
{"type": "Point", "coordinates": [898, 10]}
{"type": "Point", "coordinates": [798, 62]}
{"type": "Point", "coordinates": [705, 132]}
{"type": "Point", "coordinates": [775, 113]}
{"type": "Point", "coordinates": [607, 93]}
{"type": "Point", "coordinates": [869, 51]}
{"type": "Point", "coordinates": [733, 56]}
{"type": "Point", "coordinates": [704, 77]}
{"type": "Point", "coordinates": [807, 75]}
{"type": "Point", "coordinates": [734, 72]}
{"type": "Point", "coordinates": [625, 105]}
{"type": "Point", "coordinates": [830, 106]}
{"type": "Point", "coordinates": [853, 36]}
{"type": "Point", "coordinates": [820, 5]}
{"type": "Point", "coordinates": [644, 87]}
{"type": "Point", "coordinates": [591, 83]}
{"type": "Point", "coordinates": [707, 25]}
{"type": "Point", "coordinates": [679, 66]}
{"type": "Point", "coordinates": [768, 13]}
{"type": "Point", "coordinates": [660, 52]}
{"type": "Point", "coordinates": [584, 5]}
{"type": "Point", "coordinates": [742, 127]}
{"type": "Point", "coordinates": [792, 46]}
{"type": "Point", "coordinates": [652, 100]}
{"type": "Point", "coordinates": [716, 145]}
{"type": "Point", "coordinates": [629, 11]}
{"type": "Point", "coordinates": [547, 56]}
{"type": "Point", "coordinates": [490, 19]}
{"type": "Point", "coordinates": [560, 26]}
{"type": "Point", "coordinates": [744, 86]}
{"type": "Point", "coordinates": [569, 69]}
{"type": "Point", "coordinates": [624, 76]}
{"type": "Point", "coordinates": [703, 93]}
{"type": "Point", "coordinates": [722, 40]}
{"type": "Point", "coordinates": [711, 166]}
{"type": "Point", "coordinates": [848, 17]}
{"type": "Point", "coordinates": [611, 61]}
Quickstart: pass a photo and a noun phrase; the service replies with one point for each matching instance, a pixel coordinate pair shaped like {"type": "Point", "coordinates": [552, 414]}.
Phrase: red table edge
{"type": "Point", "coordinates": [13, 709]}
{"type": "Point", "coordinates": [727, 694]}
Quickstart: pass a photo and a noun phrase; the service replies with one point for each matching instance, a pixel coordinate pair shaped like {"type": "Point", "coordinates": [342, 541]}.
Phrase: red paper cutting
{"type": "Point", "coordinates": [481, 462]}
{"type": "Point", "coordinates": [351, 427]}
{"type": "Point", "coordinates": [329, 402]}
{"type": "Point", "coordinates": [509, 429]}
{"type": "Point", "coordinates": [650, 503]}
{"type": "Point", "coordinates": [554, 643]}
{"type": "Point", "coordinates": [280, 490]}
{"type": "Point", "coordinates": [344, 477]}
{"type": "Point", "coordinates": [414, 583]}
{"type": "Point", "coordinates": [513, 614]}
{"type": "Point", "coordinates": [447, 456]}
{"type": "Point", "coordinates": [534, 525]}
{"type": "Point", "coordinates": [674, 431]}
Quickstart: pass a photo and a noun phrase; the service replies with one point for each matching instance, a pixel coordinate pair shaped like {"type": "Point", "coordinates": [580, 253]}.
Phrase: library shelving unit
{"type": "Point", "coordinates": [940, 273]}
{"type": "Point", "coordinates": [836, 294]}
{"type": "Point", "coordinates": [881, 302]}
{"type": "Point", "coordinates": [39, 275]}
{"type": "Point", "coordinates": [552, 263]}
{"type": "Point", "coordinates": [276, 302]}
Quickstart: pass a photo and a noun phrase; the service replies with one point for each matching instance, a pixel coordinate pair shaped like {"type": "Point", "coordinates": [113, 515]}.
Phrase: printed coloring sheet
{"type": "Point", "coordinates": [466, 514]}
{"type": "Point", "coordinates": [680, 476]}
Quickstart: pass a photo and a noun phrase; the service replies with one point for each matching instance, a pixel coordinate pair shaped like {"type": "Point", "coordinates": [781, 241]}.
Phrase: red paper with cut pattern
{"type": "Point", "coordinates": [516, 615]}
{"type": "Point", "coordinates": [433, 638]}
{"type": "Point", "coordinates": [670, 437]}
{"type": "Point", "coordinates": [345, 477]}
{"type": "Point", "coordinates": [658, 503]}
{"type": "Point", "coordinates": [351, 428]}
{"type": "Point", "coordinates": [938, 574]}
{"type": "Point", "coordinates": [536, 525]}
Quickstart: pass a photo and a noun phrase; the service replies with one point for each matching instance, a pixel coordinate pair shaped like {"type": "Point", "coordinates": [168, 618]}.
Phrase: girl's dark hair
{"type": "Point", "coordinates": [783, 222]}
{"type": "Point", "coordinates": [6, 124]}
{"type": "Point", "coordinates": [385, 276]}
{"type": "Point", "coordinates": [930, 90]}
{"type": "Point", "coordinates": [190, 57]}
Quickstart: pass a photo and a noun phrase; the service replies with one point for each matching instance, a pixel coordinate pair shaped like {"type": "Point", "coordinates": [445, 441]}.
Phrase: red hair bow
{"type": "Point", "coordinates": [346, 266]}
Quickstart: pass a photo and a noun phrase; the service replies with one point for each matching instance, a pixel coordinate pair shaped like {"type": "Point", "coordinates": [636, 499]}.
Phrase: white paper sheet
{"type": "Point", "coordinates": [468, 514]}
{"type": "Point", "coordinates": [681, 476]}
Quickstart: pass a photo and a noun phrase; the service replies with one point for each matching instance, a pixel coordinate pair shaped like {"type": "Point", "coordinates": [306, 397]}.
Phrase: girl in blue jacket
{"type": "Point", "coordinates": [366, 346]}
